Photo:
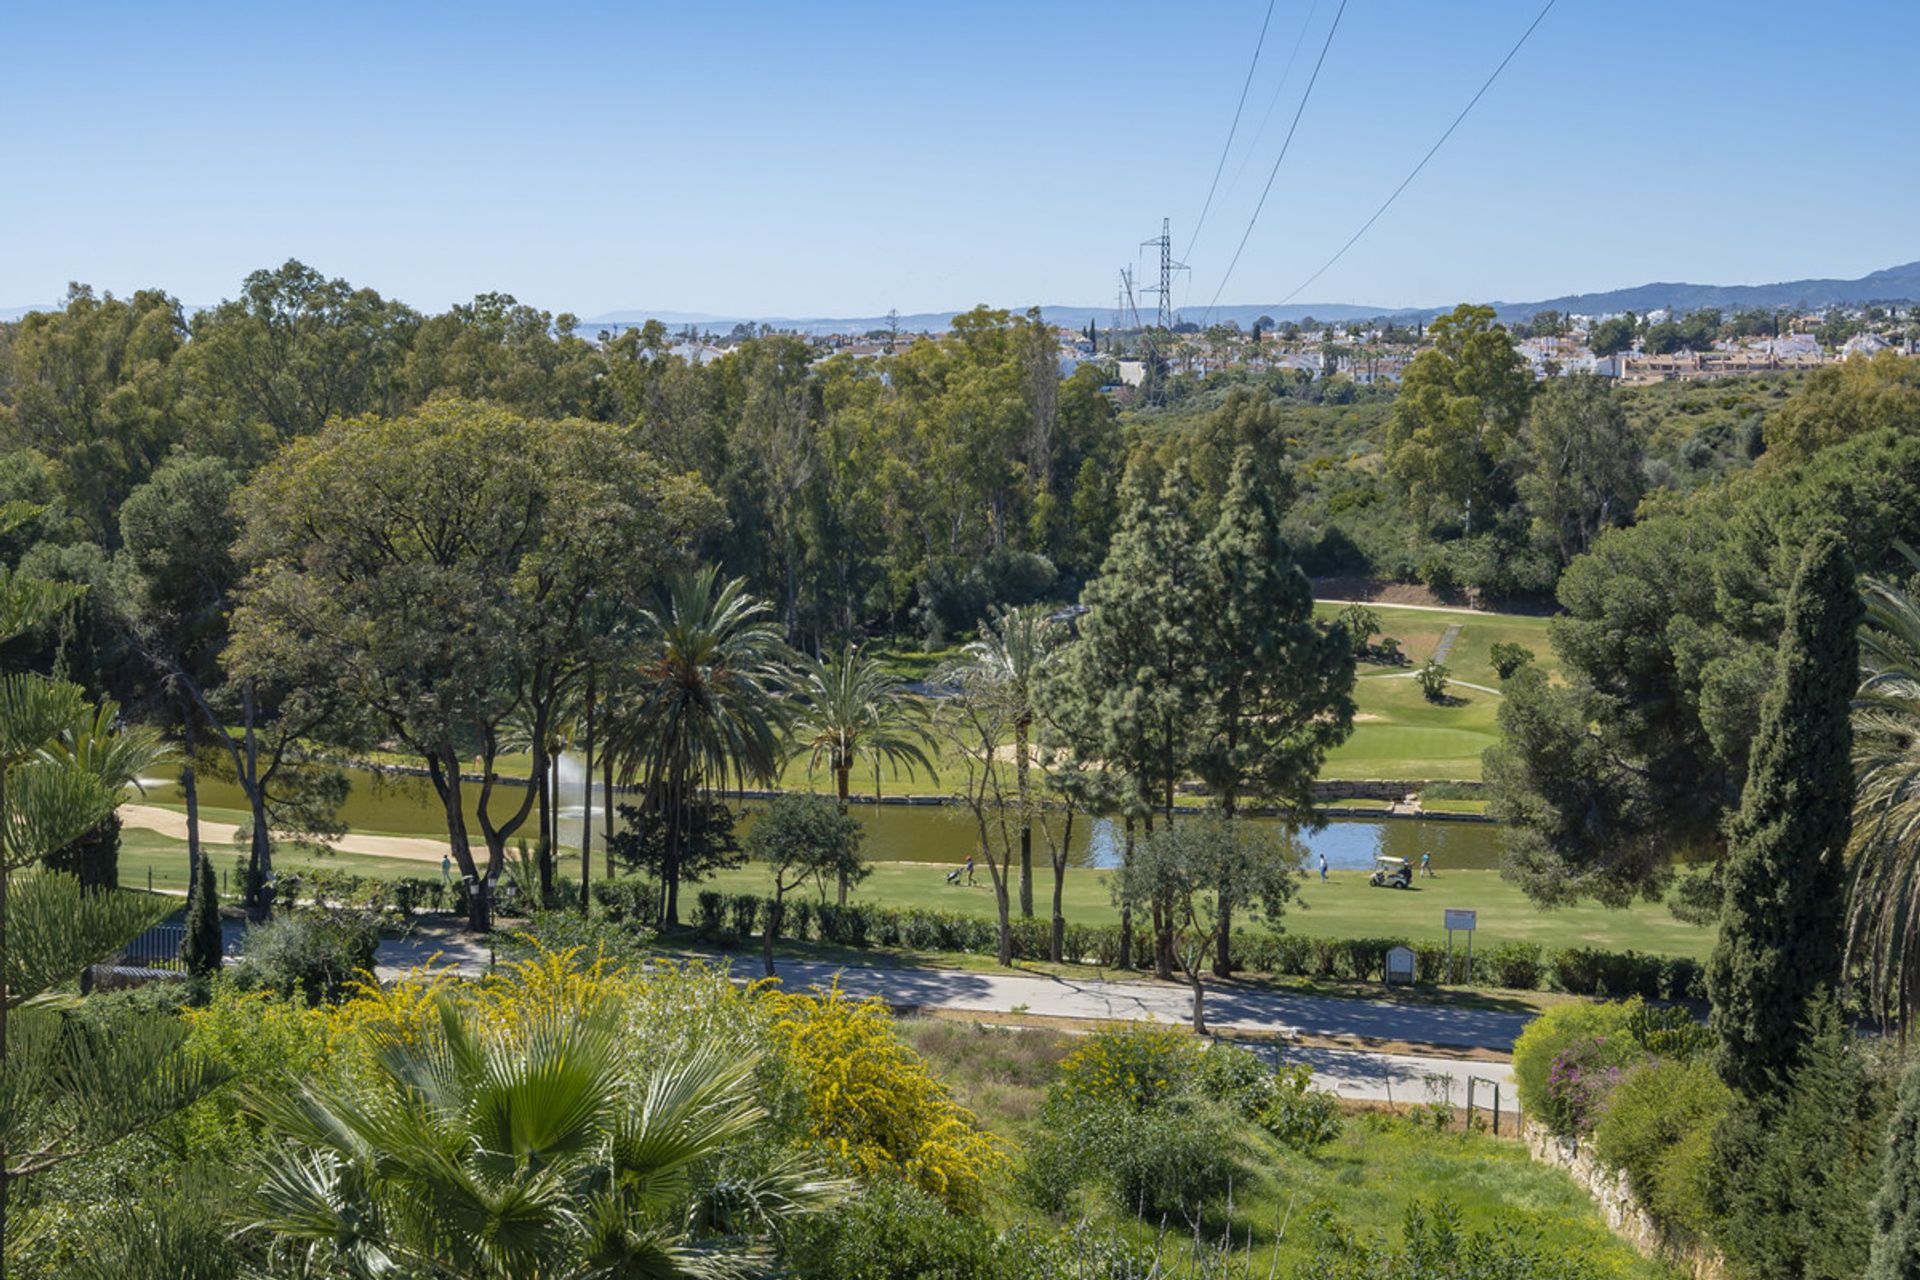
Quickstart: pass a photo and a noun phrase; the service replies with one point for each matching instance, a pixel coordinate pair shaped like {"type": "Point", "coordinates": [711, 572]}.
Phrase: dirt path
{"type": "Point", "coordinates": [174, 825]}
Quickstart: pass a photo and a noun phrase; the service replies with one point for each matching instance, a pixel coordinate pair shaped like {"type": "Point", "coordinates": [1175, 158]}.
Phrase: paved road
{"type": "Point", "coordinates": [1235, 1007]}
{"type": "Point", "coordinates": [1349, 1072]}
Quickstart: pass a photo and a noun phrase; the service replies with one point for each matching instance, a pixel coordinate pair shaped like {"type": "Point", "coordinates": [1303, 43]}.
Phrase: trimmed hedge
{"type": "Point", "coordinates": [1518, 966]}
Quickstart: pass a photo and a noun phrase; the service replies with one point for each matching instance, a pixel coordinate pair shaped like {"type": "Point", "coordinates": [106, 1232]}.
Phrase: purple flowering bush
{"type": "Point", "coordinates": [1581, 1077]}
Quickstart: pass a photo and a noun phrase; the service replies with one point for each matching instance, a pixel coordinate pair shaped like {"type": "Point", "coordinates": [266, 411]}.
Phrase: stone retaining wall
{"type": "Point", "coordinates": [1618, 1206]}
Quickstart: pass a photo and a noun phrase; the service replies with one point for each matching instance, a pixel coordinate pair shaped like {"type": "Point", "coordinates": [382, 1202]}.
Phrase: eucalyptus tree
{"type": "Point", "coordinates": [496, 1153]}
{"type": "Point", "coordinates": [701, 711]}
{"type": "Point", "coordinates": [438, 572]}
{"type": "Point", "coordinates": [849, 708]}
{"type": "Point", "coordinates": [974, 725]}
{"type": "Point", "coordinates": [1008, 662]}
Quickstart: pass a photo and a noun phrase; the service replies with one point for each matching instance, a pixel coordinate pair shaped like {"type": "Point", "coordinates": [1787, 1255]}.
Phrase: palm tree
{"type": "Point", "coordinates": [701, 711]}
{"type": "Point", "coordinates": [521, 1153]}
{"type": "Point", "coordinates": [1883, 911]}
{"type": "Point", "coordinates": [1009, 659]}
{"type": "Point", "coordinates": [852, 708]}
{"type": "Point", "coordinates": [117, 755]}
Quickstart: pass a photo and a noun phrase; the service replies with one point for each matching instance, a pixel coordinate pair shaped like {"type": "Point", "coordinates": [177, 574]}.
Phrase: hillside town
{"type": "Point", "coordinates": [1630, 349]}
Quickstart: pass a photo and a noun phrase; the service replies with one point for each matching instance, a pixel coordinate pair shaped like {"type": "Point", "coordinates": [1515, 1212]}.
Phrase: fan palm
{"type": "Point", "coordinates": [701, 711]}
{"type": "Point", "coordinates": [1007, 663]}
{"type": "Point", "coordinates": [1883, 911]}
{"type": "Point", "coordinates": [852, 708]}
{"type": "Point", "coordinates": [520, 1153]}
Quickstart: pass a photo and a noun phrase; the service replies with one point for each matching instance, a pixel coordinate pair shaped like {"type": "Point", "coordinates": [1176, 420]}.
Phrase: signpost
{"type": "Point", "coordinates": [1465, 922]}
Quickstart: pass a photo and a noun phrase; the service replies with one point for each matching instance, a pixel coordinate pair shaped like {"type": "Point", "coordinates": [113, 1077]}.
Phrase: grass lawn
{"type": "Point", "coordinates": [1369, 1176]}
{"type": "Point", "coordinates": [1344, 906]}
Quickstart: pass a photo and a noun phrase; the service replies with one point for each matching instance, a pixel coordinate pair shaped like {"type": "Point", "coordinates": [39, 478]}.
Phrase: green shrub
{"type": "Point", "coordinates": [1657, 1128]}
{"type": "Point", "coordinates": [1172, 1162]}
{"type": "Point", "coordinates": [1235, 1078]}
{"type": "Point", "coordinates": [710, 913]}
{"type": "Point", "coordinates": [628, 899]}
{"type": "Point", "coordinates": [1670, 1031]}
{"type": "Point", "coordinates": [1434, 1242]}
{"type": "Point", "coordinates": [892, 1231]}
{"type": "Point", "coordinates": [798, 919]}
{"type": "Point", "coordinates": [1299, 1115]}
{"type": "Point", "coordinates": [745, 913]}
{"type": "Point", "coordinates": [1513, 965]}
{"type": "Point", "coordinates": [314, 954]}
{"type": "Point", "coordinates": [1546, 1036]}
{"type": "Point", "coordinates": [413, 893]}
{"type": "Point", "coordinates": [1128, 1112]}
{"type": "Point", "coordinates": [848, 926]}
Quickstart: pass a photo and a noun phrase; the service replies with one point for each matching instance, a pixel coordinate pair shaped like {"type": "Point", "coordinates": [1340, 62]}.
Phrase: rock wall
{"type": "Point", "coordinates": [1618, 1207]}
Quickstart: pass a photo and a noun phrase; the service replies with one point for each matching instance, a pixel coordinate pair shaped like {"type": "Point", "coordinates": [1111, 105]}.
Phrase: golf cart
{"type": "Point", "coordinates": [1391, 873]}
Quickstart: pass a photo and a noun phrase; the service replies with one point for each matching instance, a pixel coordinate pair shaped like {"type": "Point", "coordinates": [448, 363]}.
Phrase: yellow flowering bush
{"type": "Point", "coordinates": [873, 1102]}
{"type": "Point", "coordinates": [263, 1037]}
{"type": "Point", "coordinates": [1138, 1066]}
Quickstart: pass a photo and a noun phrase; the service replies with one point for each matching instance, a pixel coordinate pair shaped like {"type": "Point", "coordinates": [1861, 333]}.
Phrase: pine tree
{"type": "Point", "coordinates": [1781, 918]}
{"type": "Point", "coordinates": [201, 951]}
{"type": "Point", "coordinates": [1896, 1210]}
{"type": "Point", "coordinates": [1137, 664]}
{"type": "Point", "coordinates": [1276, 692]}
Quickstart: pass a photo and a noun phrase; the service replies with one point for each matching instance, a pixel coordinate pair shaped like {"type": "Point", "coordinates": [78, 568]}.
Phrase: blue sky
{"type": "Point", "coordinates": [836, 159]}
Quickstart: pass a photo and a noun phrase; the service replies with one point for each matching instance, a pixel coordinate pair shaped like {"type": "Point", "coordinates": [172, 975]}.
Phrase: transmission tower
{"type": "Point", "coordinates": [1133, 308]}
{"type": "Point", "coordinates": [1164, 242]}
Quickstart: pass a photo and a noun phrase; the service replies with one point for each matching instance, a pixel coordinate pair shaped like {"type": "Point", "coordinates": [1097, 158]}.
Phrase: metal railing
{"type": "Point", "coordinates": [158, 948]}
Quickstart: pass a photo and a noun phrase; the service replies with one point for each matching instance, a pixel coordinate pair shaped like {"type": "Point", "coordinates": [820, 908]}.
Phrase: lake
{"type": "Point", "coordinates": [895, 833]}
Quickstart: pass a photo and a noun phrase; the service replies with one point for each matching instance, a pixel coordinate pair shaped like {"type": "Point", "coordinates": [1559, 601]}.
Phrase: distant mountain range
{"type": "Point", "coordinates": [1894, 284]}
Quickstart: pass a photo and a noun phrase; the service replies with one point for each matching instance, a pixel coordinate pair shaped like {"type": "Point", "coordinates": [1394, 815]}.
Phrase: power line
{"type": "Point", "coordinates": [1368, 224]}
{"type": "Point", "coordinates": [1233, 128]}
{"type": "Point", "coordinates": [1293, 55]}
{"type": "Point", "coordinates": [1284, 145]}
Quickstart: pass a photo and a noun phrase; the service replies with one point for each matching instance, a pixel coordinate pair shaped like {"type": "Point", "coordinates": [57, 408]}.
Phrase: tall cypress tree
{"type": "Point", "coordinates": [1781, 918]}
{"type": "Point", "coordinates": [1896, 1210]}
{"type": "Point", "coordinates": [201, 950]}
{"type": "Point", "coordinates": [1276, 692]}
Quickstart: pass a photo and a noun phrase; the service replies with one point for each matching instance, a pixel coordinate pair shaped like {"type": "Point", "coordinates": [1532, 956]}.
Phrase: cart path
{"type": "Point", "coordinates": [1451, 682]}
{"type": "Point", "coordinates": [1445, 647]}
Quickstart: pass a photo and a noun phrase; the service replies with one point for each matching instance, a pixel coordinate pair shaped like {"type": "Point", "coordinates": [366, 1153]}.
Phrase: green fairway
{"type": "Point", "coordinates": [1397, 733]}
